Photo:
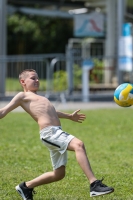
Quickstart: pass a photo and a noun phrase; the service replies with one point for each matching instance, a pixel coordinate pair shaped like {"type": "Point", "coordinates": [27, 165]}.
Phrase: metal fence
{"type": "Point", "coordinates": [43, 64]}
{"type": "Point", "coordinates": [60, 75]}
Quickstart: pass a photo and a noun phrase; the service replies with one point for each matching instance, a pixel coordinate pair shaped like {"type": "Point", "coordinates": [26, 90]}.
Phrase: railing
{"type": "Point", "coordinates": [59, 74]}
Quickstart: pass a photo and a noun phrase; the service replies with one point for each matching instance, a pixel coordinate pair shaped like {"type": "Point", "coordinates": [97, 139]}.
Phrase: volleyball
{"type": "Point", "coordinates": [123, 95]}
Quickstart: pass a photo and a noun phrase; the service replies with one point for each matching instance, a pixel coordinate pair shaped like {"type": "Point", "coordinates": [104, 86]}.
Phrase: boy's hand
{"type": "Point", "coordinates": [77, 117]}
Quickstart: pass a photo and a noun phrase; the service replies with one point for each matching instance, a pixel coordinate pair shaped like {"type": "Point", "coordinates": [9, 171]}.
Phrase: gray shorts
{"type": "Point", "coordinates": [56, 140]}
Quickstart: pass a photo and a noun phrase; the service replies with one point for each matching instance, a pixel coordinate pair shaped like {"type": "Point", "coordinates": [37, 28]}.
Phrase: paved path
{"type": "Point", "coordinates": [74, 105]}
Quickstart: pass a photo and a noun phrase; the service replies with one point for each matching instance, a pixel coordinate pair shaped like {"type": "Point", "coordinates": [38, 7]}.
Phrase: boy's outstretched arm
{"type": "Point", "coordinates": [14, 103]}
{"type": "Point", "coordinates": [75, 116]}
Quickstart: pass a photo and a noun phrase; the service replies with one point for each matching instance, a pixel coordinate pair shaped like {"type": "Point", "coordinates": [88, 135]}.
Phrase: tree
{"type": "Point", "coordinates": [37, 35]}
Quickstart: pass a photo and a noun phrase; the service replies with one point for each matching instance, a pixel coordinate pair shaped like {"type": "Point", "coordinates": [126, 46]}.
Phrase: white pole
{"type": "Point", "coordinates": [85, 84]}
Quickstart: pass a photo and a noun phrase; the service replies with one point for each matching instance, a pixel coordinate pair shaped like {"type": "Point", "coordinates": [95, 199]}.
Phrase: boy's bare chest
{"type": "Point", "coordinates": [35, 101]}
{"type": "Point", "coordinates": [34, 98]}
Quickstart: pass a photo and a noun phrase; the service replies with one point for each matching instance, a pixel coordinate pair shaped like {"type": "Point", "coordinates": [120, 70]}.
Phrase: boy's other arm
{"type": "Point", "coordinates": [75, 116]}
{"type": "Point", "coordinates": [14, 103]}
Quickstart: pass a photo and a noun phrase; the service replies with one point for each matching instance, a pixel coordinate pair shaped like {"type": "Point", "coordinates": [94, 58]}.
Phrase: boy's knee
{"type": "Point", "coordinates": [60, 173]}
{"type": "Point", "coordinates": [80, 145]}
{"type": "Point", "coordinates": [60, 176]}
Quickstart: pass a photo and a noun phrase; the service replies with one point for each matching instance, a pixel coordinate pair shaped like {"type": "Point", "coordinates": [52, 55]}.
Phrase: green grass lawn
{"type": "Point", "coordinates": [108, 137]}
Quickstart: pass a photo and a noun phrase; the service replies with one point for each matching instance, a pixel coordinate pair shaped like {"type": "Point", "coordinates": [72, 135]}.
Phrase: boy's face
{"type": "Point", "coordinates": [30, 82]}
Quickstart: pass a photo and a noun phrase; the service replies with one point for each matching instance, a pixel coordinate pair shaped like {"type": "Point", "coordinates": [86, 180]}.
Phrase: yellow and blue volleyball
{"type": "Point", "coordinates": [123, 95]}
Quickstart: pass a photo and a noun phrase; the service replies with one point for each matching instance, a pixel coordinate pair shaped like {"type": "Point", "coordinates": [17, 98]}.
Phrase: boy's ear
{"type": "Point", "coordinates": [22, 81]}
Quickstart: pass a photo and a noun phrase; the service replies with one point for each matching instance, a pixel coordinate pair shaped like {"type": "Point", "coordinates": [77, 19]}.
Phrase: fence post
{"type": "Point", "coordinates": [69, 66]}
{"type": "Point", "coordinates": [2, 44]}
{"type": "Point", "coordinates": [87, 64]}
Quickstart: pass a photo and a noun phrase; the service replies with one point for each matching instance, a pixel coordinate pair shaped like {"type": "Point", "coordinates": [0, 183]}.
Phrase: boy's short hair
{"type": "Point", "coordinates": [24, 73]}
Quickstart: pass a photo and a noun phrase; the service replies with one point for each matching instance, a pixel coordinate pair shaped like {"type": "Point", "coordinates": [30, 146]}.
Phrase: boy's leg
{"type": "Point", "coordinates": [25, 189]}
{"type": "Point", "coordinates": [78, 146]}
{"type": "Point", "coordinates": [47, 177]}
{"type": "Point", "coordinates": [97, 188]}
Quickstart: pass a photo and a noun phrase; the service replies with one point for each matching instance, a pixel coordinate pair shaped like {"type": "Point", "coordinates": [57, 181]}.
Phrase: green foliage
{"type": "Point", "coordinates": [29, 34]}
{"type": "Point", "coordinates": [23, 33]}
{"type": "Point", "coordinates": [77, 75]}
{"type": "Point", "coordinates": [108, 137]}
{"type": "Point", "coordinates": [22, 25]}
{"type": "Point", "coordinates": [60, 81]}
{"type": "Point", "coordinates": [96, 75]}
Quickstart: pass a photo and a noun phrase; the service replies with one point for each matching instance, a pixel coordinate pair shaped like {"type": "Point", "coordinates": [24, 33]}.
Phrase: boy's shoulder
{"type": "Point", "coordinates": [20, 95]}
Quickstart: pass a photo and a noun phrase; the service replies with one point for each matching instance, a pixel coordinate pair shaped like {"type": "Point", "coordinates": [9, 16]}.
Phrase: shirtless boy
{"type": "Point", "coordinates": [52, 136]}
